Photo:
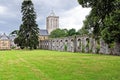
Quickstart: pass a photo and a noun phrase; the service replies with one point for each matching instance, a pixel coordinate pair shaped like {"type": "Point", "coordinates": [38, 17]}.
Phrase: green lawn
{"type": "Point", "coordinates": [53, 65]}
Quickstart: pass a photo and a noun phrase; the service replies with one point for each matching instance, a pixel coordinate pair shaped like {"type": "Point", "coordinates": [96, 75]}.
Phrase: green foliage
{"type": "Point", "coordinates": [15, 32]}
{"type": "Point", "coordinates": [62, 33]}
{"type": "Point", "coordinates": [66, 32]}
{"type": "Point", "coordinates": [111, 32]}
{"type": "Point", "coordinates": [98, 48]}
{"type": "Point", "coordinates": [106, 35]}
{"type": "Point", "coordinates": [87, 45]}
{"type": "Point", "coordinates": [112, 45]}
{"type": "Point", "coordinates": [80, 44]}
{"type": "Point", "coordinates": [103, 19]}
{"type": "Point", "coordinates": [83, 31]}
{"type": "Point", "coordinates": [83, 48]}
{"type": "Point", "coordinates": [28, 32]}
{"type": "Point", "coordinates": [72, 32]}
{"type": "Point", "coordinates": [13, 47]}
{"type": "Point", "coordinates": [58, 33]}
{"type": "Point", "coordinates": [65, 47]}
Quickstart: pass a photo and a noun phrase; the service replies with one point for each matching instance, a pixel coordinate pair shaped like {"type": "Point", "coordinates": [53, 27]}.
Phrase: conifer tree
{"type": "Point", "coordinates": [28, 32]}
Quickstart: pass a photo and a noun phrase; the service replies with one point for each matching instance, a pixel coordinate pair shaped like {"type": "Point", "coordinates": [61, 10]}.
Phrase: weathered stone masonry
{"type": "Point", "coordinates": [78, 44]}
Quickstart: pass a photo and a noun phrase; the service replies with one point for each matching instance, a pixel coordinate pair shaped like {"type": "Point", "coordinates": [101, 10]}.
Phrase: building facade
{"type": "Point", "coordinates": [52, 22]}
{"type": "Point", "coordinates": [43, 34]}
{"type": "Point", "coordinates": [4, 42]}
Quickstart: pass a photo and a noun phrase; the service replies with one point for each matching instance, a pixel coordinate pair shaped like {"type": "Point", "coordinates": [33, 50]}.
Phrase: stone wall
{"type": "Point", "coordinates": [78, 44]}
{"type": "Point", "coordinates": [4, 44]}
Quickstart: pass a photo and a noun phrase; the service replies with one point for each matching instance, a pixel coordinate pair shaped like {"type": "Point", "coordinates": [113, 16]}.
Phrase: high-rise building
{"type": "Point", "coordinates": [52, 22]}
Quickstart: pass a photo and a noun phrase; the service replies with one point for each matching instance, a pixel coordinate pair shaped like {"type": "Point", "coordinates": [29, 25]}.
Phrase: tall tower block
{"type": "Point", "coordinates": [52, 22]}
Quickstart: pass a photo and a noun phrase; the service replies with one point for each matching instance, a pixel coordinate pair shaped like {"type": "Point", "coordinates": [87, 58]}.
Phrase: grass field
{"type": "Point", "coordinates": [53, 65]}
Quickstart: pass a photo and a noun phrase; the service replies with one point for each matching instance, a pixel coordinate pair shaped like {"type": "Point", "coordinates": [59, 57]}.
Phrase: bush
{"type": "Point", "coordinates": [13, 47]}
{"type": "Point", "coordinates": [65, 47]}
{"type": "Point", "coordinates": [83, 48]}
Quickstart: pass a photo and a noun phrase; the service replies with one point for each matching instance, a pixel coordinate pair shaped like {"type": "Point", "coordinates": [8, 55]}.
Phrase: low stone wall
{"type": "Point", "coordinates": [78, 44]}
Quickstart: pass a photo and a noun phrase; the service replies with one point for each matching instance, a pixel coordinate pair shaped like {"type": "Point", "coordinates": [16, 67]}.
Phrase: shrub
{"type": "Point", "coordinates": [65, 47]}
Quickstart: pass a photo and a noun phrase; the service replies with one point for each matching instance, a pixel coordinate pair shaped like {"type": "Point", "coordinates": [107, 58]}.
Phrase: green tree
{"type": "Point", "coordinates": [104, 18]}
{"type": "Point", "coordinates": [66, 32]}
{"type": "Point", "coordinates": [83, 31]}
{"type": "Point", "coordinates": [72, 32]}
{"type": "Point", "coordinates": [28, 32]}
{"type": "Point", "coordinates": [15, 32]}
{"type": "Point", "coordinates": [111, 32]}
{"type": "Point", "coordinates": [58, 33]}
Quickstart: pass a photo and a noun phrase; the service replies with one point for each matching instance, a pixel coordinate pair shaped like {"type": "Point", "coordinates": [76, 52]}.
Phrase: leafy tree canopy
{"type": "Point", "coordinates": [58, 33]}
{"type": "Point", "coordinates": [63, 33]}
{"type": "Point", "coordinates": [72, 32]}
{"type": "Point", "coordinates": [83, 31]}
{"type": "Point", "coordinates": [103, 19]}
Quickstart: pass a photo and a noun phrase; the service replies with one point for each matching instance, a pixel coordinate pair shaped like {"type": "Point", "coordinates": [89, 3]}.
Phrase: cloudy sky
{"type": "Point", "coordinates": [70, 12]}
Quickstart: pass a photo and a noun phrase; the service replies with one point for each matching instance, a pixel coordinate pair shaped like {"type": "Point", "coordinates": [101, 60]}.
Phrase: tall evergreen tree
{"type": "Point", "coordinates": [28, 32]}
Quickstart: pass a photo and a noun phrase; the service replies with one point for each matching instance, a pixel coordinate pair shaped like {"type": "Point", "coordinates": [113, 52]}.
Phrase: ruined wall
{"type": "Point", "coordinates": [78, 44]}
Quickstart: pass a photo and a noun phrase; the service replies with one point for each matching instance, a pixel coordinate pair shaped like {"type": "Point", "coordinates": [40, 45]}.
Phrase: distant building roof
{"type": "Point", "coordinates": [4, 37]}
{"type": "Point", "coordinates": [43, 32]}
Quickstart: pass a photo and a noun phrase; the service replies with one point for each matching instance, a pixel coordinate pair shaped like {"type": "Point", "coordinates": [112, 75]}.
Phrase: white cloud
{"type": "Point", "coordinates": [70, 13]}
{"type": "Point", "coordinates": [73, 18]}
{"type": "Point", "coordinates": [6, 12]}
{"type": "Point", "coordinates": [2, 10]}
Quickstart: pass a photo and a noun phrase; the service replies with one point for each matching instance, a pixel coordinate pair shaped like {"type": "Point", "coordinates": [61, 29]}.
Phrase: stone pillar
{"type": "Point", "coordinates": [94, 46]}
{"type": "Point", "coordinates": [117, 48]}
{"type": "Point", "coordinates": [75, 44]}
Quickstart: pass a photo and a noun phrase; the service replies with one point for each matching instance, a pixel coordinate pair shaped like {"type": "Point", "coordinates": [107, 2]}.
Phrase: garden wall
{"type": "Point", "coordinates": [79, 44]}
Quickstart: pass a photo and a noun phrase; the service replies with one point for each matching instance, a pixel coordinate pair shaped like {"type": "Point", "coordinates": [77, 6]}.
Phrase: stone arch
{"type": "Point", "coordinates": [66, 40]}
{"type": "Point", "coordinates": [97, 46]}
{"type": "Point", "coordinates": [61, 47]}
{"type": "Point", "coordinates": [66, 45]}
{"type": "Point", "coordinates": [79, 44]}
{"type": "Point", "coordinates": [72, 40]}
{"type": "Point", "coordinates": [57, 44]}
{"type": "Point", "coordinates": [53, 45]}
{"type": "Point", "coordinates": [87, 44]}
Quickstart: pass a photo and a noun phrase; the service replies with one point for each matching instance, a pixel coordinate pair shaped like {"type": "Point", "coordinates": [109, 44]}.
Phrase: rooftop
{"type": "Point", "coordinates": [4, 37]}
{"type": "Point", "coordinates": [43, 32]}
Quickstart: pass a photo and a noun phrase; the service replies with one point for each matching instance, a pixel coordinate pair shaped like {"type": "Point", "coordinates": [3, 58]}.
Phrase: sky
{"type": "Point", "coordinates": [71, 14]}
